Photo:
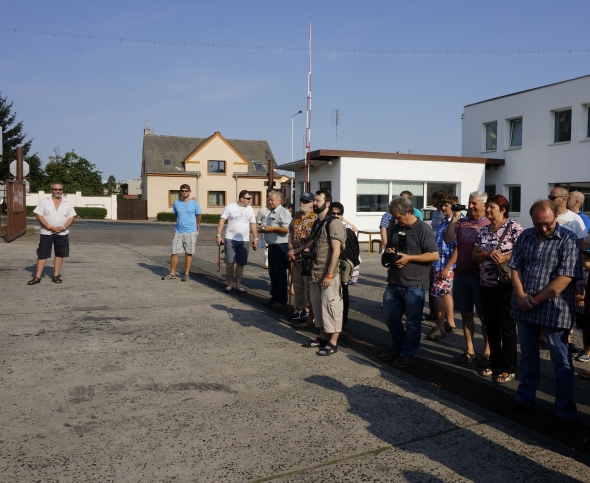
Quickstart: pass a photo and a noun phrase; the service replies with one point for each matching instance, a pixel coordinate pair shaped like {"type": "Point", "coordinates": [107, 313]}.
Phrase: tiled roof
{"type": "Point", "coordinates": [177, 149]}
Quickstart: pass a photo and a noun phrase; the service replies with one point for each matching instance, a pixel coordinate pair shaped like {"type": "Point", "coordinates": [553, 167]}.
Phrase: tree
{"type": "Point", "coordinates": [111, 185]}
{"type": "Point", "coordinates": [75, 172]}
{"type": "Point", "coordinates": [13, 135]}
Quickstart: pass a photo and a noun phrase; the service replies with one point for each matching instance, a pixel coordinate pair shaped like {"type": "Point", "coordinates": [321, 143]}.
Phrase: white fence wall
{"type": "Point", "coordinates": [108, 202]}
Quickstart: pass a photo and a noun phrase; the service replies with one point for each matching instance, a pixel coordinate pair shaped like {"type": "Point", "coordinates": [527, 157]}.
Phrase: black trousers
{"type": "Point", "coordinates": [346, 301]}
{"type": "Point", "coordinates": [500, 327]}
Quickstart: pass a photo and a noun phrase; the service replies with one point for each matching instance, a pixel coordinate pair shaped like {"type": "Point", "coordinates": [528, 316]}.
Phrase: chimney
{"type": "Point", "coordinates": [146, 131]}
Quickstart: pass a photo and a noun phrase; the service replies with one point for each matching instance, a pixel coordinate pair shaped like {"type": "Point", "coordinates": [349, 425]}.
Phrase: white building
{"type": "Point", "coordinates": [543, 134]}
{"type": "Point", "coordinates": [365, 182]}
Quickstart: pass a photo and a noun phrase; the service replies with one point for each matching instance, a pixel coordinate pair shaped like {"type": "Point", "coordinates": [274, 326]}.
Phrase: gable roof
{"type": "Point", "coordinates": [177, 149]}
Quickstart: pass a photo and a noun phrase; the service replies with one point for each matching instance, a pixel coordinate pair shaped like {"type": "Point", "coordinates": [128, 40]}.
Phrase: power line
{"type": "Point", "coordinates": [291, 50]}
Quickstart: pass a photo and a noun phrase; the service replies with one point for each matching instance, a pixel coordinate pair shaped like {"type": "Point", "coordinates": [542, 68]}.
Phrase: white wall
{"type": "Point", "coordinates": [344, 173]}
{"type": "Point", "coordinates": [108, 202]}
{"type": "Point", "coordinates": [539, 163]}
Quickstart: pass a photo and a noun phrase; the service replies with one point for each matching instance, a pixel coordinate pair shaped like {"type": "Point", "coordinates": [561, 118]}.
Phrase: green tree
{"type": "Point", "coordinates": [75, 172]}
{"type": "Point", "coordinates": [13, 135]}
{"type": "Point", "coordinates": [111, 185]}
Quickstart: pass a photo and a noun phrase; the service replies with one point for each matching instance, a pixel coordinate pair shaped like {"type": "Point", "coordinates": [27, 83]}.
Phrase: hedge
{"type": "Point", "coordinates": [205, 218]}
{"type": "Point", "coordinates": [83, 212]}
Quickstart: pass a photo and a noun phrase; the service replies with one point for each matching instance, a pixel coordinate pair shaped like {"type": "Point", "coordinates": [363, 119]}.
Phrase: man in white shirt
{"type": "Point", "coordinates": [240, 220]}
{"type": "Point", "coordinates": [566, 218]}
{"type": "Point", "coordinates": [55, 215]}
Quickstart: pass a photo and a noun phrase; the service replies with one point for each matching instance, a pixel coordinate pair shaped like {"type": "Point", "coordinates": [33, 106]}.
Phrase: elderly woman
{"type": "Point", "coordinates": [494, 246]}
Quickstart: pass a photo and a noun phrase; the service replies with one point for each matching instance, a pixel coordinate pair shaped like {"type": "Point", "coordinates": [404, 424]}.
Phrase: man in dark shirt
{"type": "Point", "coordinates": [413, 246]}
{"type": "Point", "coordinates": [544, 262]}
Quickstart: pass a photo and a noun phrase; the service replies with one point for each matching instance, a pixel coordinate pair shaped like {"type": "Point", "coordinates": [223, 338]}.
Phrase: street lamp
{"type": "Point", "coordinates": [292, 157]}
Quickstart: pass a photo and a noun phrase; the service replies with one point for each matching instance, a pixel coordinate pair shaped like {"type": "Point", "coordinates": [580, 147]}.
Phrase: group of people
{"type": "Point", "coordinates": [531, 280]}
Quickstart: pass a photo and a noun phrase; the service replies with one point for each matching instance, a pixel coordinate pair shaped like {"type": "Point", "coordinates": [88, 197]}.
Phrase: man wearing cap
{"type": "Point", "coordinates": [276, 236]}
{"type": "Point", "coordinates": [299, 235]}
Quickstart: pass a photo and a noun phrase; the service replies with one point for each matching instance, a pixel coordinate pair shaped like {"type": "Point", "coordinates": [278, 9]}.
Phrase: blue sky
{"type": "Point", "coordinates": [96, 97]}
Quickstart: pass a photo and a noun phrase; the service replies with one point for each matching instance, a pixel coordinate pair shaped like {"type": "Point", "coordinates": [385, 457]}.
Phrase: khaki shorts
{"type": "Point", "coordinates": [184, 243]}
{"type": "Point", "coordinates": [327, 305]}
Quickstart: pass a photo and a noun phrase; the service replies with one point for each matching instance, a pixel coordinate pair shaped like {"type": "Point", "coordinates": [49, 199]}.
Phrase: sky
{"type": "Point", "coordinates": [94, 93]}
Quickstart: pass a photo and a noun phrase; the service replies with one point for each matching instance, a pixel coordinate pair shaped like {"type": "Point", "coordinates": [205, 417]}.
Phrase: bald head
{"type": "Point", "coordinates": [575, 201]}
{"type": "Point", "coordinates": [559, 198]}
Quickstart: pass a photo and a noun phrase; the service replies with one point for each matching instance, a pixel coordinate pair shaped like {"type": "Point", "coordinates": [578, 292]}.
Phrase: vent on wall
{"type": "Point", "coordinates": [167, 161]}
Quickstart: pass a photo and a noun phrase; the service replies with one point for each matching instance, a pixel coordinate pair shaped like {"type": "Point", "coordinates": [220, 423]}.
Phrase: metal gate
{"type": "Point", "coordinates": [131, 209]}
{"type": "Point", "coordinates": [16, 210]}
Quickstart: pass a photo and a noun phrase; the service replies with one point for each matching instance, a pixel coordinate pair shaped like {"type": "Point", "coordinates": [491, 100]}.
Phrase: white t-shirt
{"type": "Point", "coordinates": [46, 208]}
{"type": "Point", "coordinates": [573, 222]}
{"type": "Point", "coordinates": [238, 221]}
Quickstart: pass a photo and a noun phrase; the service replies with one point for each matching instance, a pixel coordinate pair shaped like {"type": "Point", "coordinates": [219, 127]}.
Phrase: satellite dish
{"type": "Point", "coordinates": [25, 168]}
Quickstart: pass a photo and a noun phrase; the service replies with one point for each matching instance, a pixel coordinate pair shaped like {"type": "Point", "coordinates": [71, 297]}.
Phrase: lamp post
{"type": "Point", "coordinates": [292, 157]}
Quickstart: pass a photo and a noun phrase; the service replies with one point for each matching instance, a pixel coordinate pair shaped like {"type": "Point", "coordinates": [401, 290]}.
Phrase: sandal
{"type": "Point", "coordinates": [34, 281]}
{"type": "Point", "coordinates": [328, 350]}
{"type": "Point", "coordinates": [241, 289]}
{"type": "Point", "coordinates": [228, 288]}
{"type": "Point", "coordinates": [319, 342]}
{"type": "Point", "coordinates": [465, 357]}
{"type": "Point", "coordinates": [487, 372]}
{"type": "Point", "coordinates": [503, 379]}
{"type": "Point", "coordinates": [56, 279]}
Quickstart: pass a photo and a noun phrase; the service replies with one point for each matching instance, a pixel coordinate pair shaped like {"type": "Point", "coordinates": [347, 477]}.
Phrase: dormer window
{"type": "Point", "coordinates": [167, 162]}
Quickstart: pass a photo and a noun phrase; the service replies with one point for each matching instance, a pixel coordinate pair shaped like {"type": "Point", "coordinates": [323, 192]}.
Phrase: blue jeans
{"type": "Point", "coordinates": [398, 300]}
{"type": "Point", "coordinates": [530, 366]}
{"type": "Point", "coordinates": [277, 270]}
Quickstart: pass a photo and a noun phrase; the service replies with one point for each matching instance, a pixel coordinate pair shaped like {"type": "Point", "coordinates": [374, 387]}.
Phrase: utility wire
{"type": "Point", "coordinates": [291, 50]}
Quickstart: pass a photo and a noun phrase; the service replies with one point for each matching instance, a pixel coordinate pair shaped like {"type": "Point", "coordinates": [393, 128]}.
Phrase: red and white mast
{"type": "Point", "coordinates": [306, 181]}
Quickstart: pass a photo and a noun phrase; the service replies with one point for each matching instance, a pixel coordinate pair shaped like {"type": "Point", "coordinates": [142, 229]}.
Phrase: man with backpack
{"type": "Point", "coordinates": [349, 257]}
{"type": "Point", "coordinates": [325, 288]}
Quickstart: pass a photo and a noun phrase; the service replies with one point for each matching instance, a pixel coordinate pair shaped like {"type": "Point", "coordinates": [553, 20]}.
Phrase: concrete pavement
{"type": "Point", "coordinates": [116, 375]}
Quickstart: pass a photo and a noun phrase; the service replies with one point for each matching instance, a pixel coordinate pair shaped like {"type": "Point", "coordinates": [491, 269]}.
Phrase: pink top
{"type": "Point", "coordinates": [467, 231]}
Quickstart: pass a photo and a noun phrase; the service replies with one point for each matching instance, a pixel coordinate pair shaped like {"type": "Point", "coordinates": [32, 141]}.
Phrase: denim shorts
{"type": "Point", "coordinates": [466, 293]}
{"type": "Point", "coordinates": [61, 243]}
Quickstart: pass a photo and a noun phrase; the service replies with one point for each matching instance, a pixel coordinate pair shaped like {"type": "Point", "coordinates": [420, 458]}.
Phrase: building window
{"type": "Point", "coordinates": [217, 167]}
{"type": "Point", "coordinates": [516, 132]}
{"type": "Point", "coordinates": [563, 126]}
{"type": "Point", "coordinates": [372, 195]}
{"type": "Point", "coordinates": [514, 200]}
{"type": "Point", "coordinates": [417, 190]}
{"type": "Point", "coordinates": [167, 161]}
{"type": "Point", "coordinates": [450, 188]}
{"type": "Point", "coordinates": [491, 136]}
{"type": "Point", "coordinates": [216, 198]}
{"type": "Point", "coordinates": [301, 188]}
{"type": "Point", "coordinates": [256, 198]}
{"type": "Point", "coordinates": [326, 185]}
{"type": "Point", "coordinates": [173, 196]}
{"type": "Point", "coordinates": [490, 189]}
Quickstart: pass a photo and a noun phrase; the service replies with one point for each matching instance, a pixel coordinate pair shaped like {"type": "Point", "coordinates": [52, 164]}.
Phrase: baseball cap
{"type": "Point", "coordinates": [307, 197]}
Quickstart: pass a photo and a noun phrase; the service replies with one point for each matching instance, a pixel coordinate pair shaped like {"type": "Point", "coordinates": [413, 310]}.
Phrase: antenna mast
{"type": "Point", "coordinates": [306, 182]}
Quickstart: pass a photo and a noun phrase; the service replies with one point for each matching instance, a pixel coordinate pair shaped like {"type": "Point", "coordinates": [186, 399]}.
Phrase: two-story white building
{"type": "Point", "coordinates": [543, 134]}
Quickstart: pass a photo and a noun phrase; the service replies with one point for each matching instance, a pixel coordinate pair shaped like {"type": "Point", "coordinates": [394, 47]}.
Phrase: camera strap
{"type": "Point", "coordinates": [316, 230]}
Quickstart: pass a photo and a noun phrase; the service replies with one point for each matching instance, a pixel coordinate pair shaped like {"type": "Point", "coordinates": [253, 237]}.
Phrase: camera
{"type": "Point", "coordinates": [306, 266]}
{"type": "Point", "coordinates": [388, 258]}
{"type": "Point", "coordinates": [457, 207]}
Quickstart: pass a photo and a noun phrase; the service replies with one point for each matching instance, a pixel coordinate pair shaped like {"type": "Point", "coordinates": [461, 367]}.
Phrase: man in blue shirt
{"type": "Point", "coordinates": [188, 217]}
{"type": "Point", "coordinates": [545, 261]}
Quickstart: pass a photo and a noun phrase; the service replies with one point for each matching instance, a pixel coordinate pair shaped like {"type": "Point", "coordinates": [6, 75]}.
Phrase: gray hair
{"type": "Point", "coordinates": [278, 194]}
{"type": "Point", "coordinates": [401, 204]}
{"type": "Point", "coordinates": [482, 196]}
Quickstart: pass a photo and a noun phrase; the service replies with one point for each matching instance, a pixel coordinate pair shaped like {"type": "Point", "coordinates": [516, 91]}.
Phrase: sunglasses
{"type": "Point", "coordinates": [554, 197]}
{"type": "Point", "coordinates": [336, 213]}
{"type": "Point", "coordinates": [247, 198]}
{"type": "Point", "coordinates": [57, 189]}
{"type": "Point", "coordinates": [185, 191]}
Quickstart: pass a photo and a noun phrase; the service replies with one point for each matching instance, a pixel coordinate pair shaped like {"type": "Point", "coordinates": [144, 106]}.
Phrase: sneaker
{"type": "Point", "coordinates": [304, 316]}
{"type": "Point", "coordinates": [402, 361]}
{"type": "Point", "coordinates": [296, 315]}
{"type": "Point", "coordinates": [583, 357]}
{"type": "Point", "coordinates": [185, 278]}
{"type": "Point", "coordinates": [388, 356]}
{"type": "Point", "coordinates": [437, 334]}
{"type": "Point", "coordinates": [169, 277]}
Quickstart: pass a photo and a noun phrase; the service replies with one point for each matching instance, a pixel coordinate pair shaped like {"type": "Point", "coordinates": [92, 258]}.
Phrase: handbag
{"type": "Point", "coordinates": [503, 271]}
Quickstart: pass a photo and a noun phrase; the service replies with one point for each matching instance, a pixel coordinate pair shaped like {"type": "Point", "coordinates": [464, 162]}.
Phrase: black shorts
{"type": "Point", "coordinates": [60, 242]}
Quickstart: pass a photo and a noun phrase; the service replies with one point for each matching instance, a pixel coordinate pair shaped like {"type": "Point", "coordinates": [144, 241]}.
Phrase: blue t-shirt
{"type": "Point", "coordinates": [186, 215]}
{"type": "Point", "coordinates": [586, 221]}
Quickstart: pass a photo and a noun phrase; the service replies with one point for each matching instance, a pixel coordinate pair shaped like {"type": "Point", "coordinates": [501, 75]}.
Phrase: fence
{"type": "Point", "coordinates": [108, 202]}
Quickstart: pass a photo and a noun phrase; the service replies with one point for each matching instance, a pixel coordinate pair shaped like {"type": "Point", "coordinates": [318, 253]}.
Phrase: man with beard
{"type": "Point", "coordinates": [329, 239]}
{"type": "Point", "coordinates": [412, 246]}
{"type": "Point", "coordinates": [466, 291]}
{"type": "Point", "coordinates": [545, 260]}
{"type": "Point", "coordinates": [55, 215]}
{"type": "Point", "coordinates": [299, 235]}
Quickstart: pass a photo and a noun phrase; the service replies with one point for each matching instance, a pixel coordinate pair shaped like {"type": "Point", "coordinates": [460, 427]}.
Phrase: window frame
{"type": "Point", "coordinates": [255, 195]}
{"type": "Point", "coordinates": [170, 202]}
{"type": "Point", "coordinates": [556, 115]}
{"type": "Point", "coordinates": [218, 205]}
{"type": "Point", "coordinates": [511, 132]}
{"type": "Point", "coordinates": [217, 173]}
{"type": "Point", "coordinates": [485, 137]}
{"type": "Point", "coordinates": [509, 188]}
